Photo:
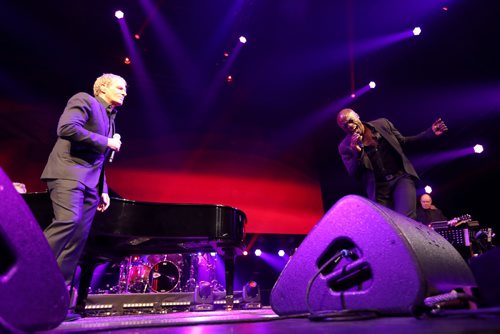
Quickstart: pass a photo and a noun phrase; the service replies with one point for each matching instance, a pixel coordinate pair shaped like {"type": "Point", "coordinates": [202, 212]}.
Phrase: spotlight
{"type": "Point", "coordinates": [119, 14]}
{"type": "Point", "coordinates": [258, 252]}
{"type": "Point", "coordinates": [245, 253]}
{"type": "Point", "coordinates": [137, 36]}
{"type": "Point", "coordinates": [417, 31]}
{"type": "Point", "coordinates": [127, 60]}
{"type": "Point", "coordinates": [372, 84]}
{"type": "Point", "coordinates": [229, 78]}
{"type": "Point", "coordinates": [281, 253]}
{"type": "Point", "coordinates": [428, 189]}
{"type": "Point", "coordinates": [251, 296]}
{"type": "Point", "coordinates": [478, 149]}
{"type": "Point", "coordinates": [353, 95]}
{"type": "Point", "coordinates": [203, 299]}
{"type": "Point", "coordinates": [243, 39]}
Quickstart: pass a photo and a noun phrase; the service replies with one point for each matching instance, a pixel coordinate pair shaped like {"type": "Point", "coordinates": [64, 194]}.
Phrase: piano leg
{"type": "Point", "coordinates": [229, 255]}
{"type": "Point", "coordinates": [86, 273]}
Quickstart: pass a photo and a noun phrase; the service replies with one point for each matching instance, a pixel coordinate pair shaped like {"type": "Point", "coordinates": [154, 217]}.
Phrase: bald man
{"type": "Point", "coordinates": [427, 212]}
{"type": "Point", "coordinates": [372, 153]}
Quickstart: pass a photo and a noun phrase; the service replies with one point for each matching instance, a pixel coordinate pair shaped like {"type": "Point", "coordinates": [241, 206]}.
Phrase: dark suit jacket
{"type": "Point", "coordinates": [427, 216]}
{"type": "Point", "coordinates": [81, 147]}
{"type": "Point", "coordinates": [359, 166]}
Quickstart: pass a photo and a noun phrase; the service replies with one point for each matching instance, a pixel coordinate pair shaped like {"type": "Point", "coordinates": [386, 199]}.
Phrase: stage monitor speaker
{"type": "Point", "coordinates": [486, 270]}
{"type": "Point", "coordinates": [33, 294]}
{"type": "Point", "coordinates": [362, 256]}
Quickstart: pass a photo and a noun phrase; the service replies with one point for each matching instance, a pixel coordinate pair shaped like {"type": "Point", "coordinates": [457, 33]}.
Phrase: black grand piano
{"type": "Point", "coordinates": [132, 227]}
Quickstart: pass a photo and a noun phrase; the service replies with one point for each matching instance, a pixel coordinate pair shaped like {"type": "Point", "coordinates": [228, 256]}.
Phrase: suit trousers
{"type": "Point", "coordinates": [74, 207]}
{"type": "Point", "coordinates": [398, 194]}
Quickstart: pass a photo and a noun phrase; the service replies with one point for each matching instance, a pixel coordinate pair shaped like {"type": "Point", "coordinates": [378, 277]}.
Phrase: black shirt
{"type": "Point", "coordinates": [384, 158]}
{"type": "Point", "coordinates": [427, 216]}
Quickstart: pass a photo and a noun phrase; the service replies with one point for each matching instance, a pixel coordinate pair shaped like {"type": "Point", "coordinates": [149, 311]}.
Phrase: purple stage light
{"type": "Point", "coordinates": [281, 253]}
{"type": "Point", "coordinates": [417, 31]}
{"type": "Point", "coordinates": [258, 252]}
{"type": "Point", "coordinates": [428, 189]}
{"type": "Point", "coordinates": [119, 14]}
{"type": "Point", "coordinates": [478, 149]}
{"type": "Point", "coordinates": [372, 84]}
{"type": "Point", "coordinates": [243, 39]}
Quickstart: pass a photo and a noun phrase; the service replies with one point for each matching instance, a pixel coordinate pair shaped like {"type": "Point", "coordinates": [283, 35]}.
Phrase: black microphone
{"type": "Point", "coordinates": [112, 156]}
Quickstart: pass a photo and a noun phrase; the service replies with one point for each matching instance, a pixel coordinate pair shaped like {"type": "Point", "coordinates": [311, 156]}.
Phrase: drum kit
{"type": "Point", "coordinates": [166, 273]}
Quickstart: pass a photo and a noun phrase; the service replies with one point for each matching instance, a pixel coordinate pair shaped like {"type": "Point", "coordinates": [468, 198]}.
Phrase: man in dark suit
{"type": "Point", "coordinates": [428, 212]}
{"type": "Point", "coordinates": [372, 152]}
{"type": "Point", "coordinates": [74, 172]}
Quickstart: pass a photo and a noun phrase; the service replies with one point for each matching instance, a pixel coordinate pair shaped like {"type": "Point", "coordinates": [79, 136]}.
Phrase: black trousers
{"type": "Point", "coordinates": [399, 195]}
{"type": "Point", "coordinates": [74, 207]}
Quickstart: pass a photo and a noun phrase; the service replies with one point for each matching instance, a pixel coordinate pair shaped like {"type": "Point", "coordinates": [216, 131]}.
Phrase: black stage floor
{"type": "Point", "coordinates": [264, 320]}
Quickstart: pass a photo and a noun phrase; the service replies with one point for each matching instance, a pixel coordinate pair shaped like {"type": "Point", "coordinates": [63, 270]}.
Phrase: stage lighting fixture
{"type": "Point", "coordinates": [119, 14]}
{"type": "Point", "coordinates": [478, 148]}
{"type": "Point", "coordinates": [243, 39]}
{"type": "Point", "coordinates": [203, 298]}
{"type": "Point", "coordinates": [372, 84]}
{"type": "Point", "coordinates": [127, 60]}
{"type": "Point", "coordinates": [229, 78]}
{"type": "Point", "coordinates": [245, 253]}
{"type": "Point", "coordinates": [281, 253]}
{"type": "Point", "coordinates": [251, 296]}
{"type": "Point", "coordinates": [137, 36]}
{"type": "Point", "coordinates": [258, 252]}
{"type": "Point", "coordinates": [428, 189]}
{"type": "Point", "coordinates": [353, 95]}
{"type": "Point", "coordinates": [417, 31]}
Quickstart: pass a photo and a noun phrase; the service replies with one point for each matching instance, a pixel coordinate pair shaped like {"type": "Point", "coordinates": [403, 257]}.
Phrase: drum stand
{"type": "Point", "coordinates": [216, 285]}
{"type": "Point", "coordinates": [191, 281]}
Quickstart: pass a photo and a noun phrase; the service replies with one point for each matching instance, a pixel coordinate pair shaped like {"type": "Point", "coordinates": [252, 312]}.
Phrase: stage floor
{"type": "Point", "coordinates": [264, 320]}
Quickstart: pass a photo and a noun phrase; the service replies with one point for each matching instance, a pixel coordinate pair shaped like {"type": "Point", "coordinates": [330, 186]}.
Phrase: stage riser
{"type": "Point", "coordinates": [150, 303]}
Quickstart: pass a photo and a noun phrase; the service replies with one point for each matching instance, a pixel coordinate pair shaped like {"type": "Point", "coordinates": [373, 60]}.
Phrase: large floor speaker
{"type": "Point", "coordinates": [486, 270]}
{"type": "Point", "coordinates": [33, 295]}
{"type": "Point", "coordinates": [362, 256]}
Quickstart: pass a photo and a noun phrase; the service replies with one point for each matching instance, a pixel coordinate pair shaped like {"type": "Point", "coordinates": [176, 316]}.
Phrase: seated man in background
{"type": "Point", "coordinates": [427, 212]}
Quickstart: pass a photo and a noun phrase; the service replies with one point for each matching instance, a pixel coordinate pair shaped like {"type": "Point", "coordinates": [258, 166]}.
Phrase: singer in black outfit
{"type": "Point", "coordinates": [372, 152]}
{"type": "Point", "coordinates": [74, 172]}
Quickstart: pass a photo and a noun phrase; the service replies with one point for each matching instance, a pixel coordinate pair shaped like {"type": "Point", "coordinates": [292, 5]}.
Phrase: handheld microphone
{"type": "Point", "coordinates": [112, 156]}
{"type": "Point", "coordinates": [360, 141]}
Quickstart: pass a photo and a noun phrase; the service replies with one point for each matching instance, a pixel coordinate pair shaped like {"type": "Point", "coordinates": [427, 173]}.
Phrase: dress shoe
{"type": "Point", "coordinates": [72, 316]}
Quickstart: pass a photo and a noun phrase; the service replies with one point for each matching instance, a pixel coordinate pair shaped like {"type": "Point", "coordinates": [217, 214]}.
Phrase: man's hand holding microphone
{"type": "Point", "coordinates": [114, 143]}
{"type": "Point", "coordinates": [356, 142]}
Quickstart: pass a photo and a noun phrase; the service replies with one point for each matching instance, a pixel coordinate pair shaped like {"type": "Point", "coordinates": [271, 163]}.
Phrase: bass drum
{"type": "Point", "coordinates": [165, 275]}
